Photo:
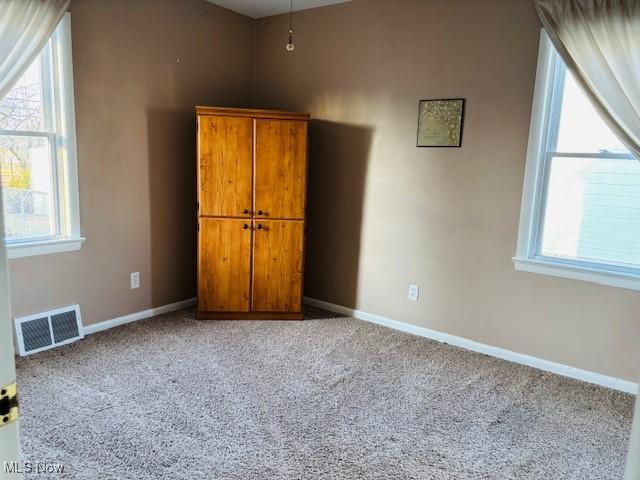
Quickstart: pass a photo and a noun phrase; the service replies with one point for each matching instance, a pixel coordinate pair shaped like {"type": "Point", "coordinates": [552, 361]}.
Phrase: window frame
{"type": "Point", "coordinates": [59, 128]}
{"type": "Point", "coordinates": [541, 149]}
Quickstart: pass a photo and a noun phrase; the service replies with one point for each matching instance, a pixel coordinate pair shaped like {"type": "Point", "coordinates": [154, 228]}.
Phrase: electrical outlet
{"type": "Point", "coordinates": [414, 292]}
{"type": "Point", "coordinates": [135, 280]}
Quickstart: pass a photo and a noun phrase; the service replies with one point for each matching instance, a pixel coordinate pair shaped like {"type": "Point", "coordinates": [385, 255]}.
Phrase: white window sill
{"type": "Point", "coordinates": [44, 247]}
{"type": "Point", "coordinates": [578, 272]}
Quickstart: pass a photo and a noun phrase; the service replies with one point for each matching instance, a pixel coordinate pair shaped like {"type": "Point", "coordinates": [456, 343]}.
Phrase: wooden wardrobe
{"type": "Point", "coordinates": [252, 167]}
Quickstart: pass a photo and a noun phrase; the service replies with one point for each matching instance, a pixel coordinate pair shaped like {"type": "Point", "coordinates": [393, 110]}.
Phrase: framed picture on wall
{"type": "Point", "coordinates": [440, 122]}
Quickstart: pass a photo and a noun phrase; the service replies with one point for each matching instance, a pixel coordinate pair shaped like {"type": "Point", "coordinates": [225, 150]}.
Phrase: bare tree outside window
{"type": "Point", "coordinates": [25, 157]}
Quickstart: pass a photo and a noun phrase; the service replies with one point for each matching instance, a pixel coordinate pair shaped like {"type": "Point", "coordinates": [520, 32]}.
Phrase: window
{"type": "Point", "coordinates": [38, 155]}
{"type": "Point", "coordinates": [581, 201]}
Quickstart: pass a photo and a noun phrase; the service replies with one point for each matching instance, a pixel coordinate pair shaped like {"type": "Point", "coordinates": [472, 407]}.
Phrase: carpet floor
{"type": "Point", "coordinates": [329, 398]}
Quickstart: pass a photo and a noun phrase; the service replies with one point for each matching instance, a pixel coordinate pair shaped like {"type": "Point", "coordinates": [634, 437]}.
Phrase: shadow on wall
{"type": "Point", "coordinates": [172, 190]}
{"type": "Point", "coordinates": [338, 162]}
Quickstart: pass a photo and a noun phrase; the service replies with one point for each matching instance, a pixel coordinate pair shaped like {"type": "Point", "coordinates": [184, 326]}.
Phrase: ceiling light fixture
{"type": "Point", "coordinates": [290, 46]}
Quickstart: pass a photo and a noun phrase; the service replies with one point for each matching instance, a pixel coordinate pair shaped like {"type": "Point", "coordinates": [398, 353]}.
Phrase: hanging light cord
{"type": "Point", "coordinates": [291, 17]}
{"type": "Point", "coordinates": [290, 46]}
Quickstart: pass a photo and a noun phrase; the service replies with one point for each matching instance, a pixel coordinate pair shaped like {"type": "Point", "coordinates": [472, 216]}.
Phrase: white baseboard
{"type": "Point", "coordinates": [535, 362]}
{"type": "Point", "coordinates": [132, 317]}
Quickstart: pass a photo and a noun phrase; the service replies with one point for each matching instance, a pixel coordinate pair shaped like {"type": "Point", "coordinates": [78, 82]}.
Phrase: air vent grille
{"type": "Point", "coordinates": [45, 330]}
{"type": "Point", "coordinates": [64, 326]}
{"type": "Point", "coordinates": [36, 334]}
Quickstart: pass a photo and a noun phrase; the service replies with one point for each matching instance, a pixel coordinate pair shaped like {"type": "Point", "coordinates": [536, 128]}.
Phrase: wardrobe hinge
{"type": "Point", "coordinates": [8, 404]}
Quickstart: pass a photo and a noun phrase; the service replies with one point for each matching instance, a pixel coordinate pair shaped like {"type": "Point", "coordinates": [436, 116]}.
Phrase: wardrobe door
{"type": "Point", "coordinates": [280, 168]}
{"type": "Point", "coordinates": [225, 163]}
{"type": "Point", "coordinates": [277, 265]}
{"type": "Point", "coordinates": [224, 259]}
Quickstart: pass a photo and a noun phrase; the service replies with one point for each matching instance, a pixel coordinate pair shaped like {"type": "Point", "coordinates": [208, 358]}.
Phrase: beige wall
{"type": "Point", "coordinates": [383, 213]}
{"type": "Point", "coordinates": [136, 151]}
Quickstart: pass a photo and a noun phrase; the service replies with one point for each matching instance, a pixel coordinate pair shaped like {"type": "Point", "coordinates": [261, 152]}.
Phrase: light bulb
{"type": "Point", "coordinates": [290, 46]}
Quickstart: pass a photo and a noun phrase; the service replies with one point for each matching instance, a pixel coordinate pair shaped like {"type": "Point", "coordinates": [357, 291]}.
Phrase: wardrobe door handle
{"type": "Point", "coordinates": [245, 227]}
{"type": "Point", "coordinates": [260, 212]}
{"type": "Point", "coordinates": [259, 227]}
{"type": "Point", "coordinates": [245, 211]}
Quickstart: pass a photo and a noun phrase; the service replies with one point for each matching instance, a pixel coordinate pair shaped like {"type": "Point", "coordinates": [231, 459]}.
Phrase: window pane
{"type": "Point", "coordinates": [25, 173]}
{"type": "Point", "coordinates": [22, 108]}
{"type": "Point", "coordinates": [581, 129]}
{"type": "Point", "coordinates": [593, 211]}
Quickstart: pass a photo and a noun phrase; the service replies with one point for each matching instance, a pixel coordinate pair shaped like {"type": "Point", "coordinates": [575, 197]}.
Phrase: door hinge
{"type": "Point", "coordinates": [8, 404]}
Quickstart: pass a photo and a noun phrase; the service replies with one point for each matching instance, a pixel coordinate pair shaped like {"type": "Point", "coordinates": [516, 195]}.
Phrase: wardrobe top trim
{"type": "Point", "coordinates": [251, 112]}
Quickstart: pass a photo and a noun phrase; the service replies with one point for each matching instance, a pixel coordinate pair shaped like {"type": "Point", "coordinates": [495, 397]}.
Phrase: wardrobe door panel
{"type": "Point", "coordinates": [225, 163]}
{"type": "Point", "coordinates": [224, 259]}
{"type": "Point", "coordinates": [280, 168]}
{"type": "Point", "coordinates": [277, 265]}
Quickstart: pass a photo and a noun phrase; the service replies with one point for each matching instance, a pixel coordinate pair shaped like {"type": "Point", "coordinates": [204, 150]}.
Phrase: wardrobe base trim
{"type": "Point", "coordinates": [250, 316]}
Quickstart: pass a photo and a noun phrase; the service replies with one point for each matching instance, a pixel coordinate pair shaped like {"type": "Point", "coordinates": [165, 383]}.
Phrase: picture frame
{"type": "Point", "coordinates": [440, 122]}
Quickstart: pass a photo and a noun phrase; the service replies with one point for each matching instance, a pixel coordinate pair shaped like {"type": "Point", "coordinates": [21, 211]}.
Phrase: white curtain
{"type": "Point", "coordinates": [599, 40]}
{"type": "Point", "coordinates": [25, 27]}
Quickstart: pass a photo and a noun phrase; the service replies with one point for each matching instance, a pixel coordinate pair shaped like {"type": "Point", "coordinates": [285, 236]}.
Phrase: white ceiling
{"type": "Point", "coordinates": [265, 8]}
